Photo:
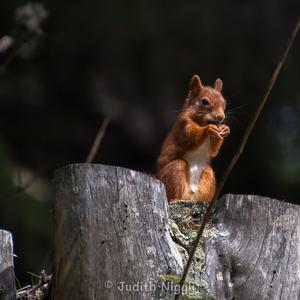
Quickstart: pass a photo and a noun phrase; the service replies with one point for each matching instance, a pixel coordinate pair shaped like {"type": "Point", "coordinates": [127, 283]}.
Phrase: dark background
{"type": "Point", "coordinates": [132, 61]}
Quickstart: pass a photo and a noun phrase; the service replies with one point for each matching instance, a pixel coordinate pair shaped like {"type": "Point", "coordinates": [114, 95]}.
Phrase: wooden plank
{"type": "Point", "coordinates": [7, 276]}
{"type": "Point", "coordinates": [110, 233]}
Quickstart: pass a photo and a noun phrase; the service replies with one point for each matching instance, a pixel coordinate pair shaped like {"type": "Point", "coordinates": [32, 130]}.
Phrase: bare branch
{"type": "Point", "coordinates": [238, 153]}
{"type": "Point", "coordinates": [97, 141]}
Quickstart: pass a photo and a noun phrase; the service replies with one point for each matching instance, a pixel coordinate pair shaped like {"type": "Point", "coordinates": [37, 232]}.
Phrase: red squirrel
{"type": "Point", "coordinates": [196, 136]}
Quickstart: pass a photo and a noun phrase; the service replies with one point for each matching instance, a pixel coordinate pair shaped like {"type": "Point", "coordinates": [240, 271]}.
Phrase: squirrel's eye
{"type": "Point", "coordinates": [205, 101]}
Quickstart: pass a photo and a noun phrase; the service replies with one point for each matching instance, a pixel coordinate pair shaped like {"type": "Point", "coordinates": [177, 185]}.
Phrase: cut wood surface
{"type": "Point", "coordinates": [259, 257]}
{"type": "Point", "coordinates": [111, 233]}
{"type": "Point", "coordinates": [7, 276]}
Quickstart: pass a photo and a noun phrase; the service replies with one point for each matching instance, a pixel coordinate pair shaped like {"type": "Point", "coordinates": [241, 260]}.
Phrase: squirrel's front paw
{"type": "Point", "coordinates": [214, 131]}
{"type": "Point", "coordinates": [224, 130]}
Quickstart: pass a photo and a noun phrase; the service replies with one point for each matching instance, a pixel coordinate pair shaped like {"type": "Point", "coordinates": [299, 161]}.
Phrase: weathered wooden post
{"type": "Point", "coordinates": [111, 235]}
{"type": "Point", "coordinates": [258, 257]}
{"type": "Point", "coordinates": [112, 241]}
{"type": "Point", "coordinates": [7, 275]}
{"type": "Point", "coordinates": [250, 250]}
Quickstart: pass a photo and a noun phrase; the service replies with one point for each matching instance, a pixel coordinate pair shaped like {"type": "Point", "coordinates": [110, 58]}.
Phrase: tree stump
{"type": "Point", "coordinates": [111, 235]}
{"type": "Point", "coordinates": [7, 275]}
{"type": "Point", "coordinates": [250, 249]}
{"type": "Point", "coordinates": [258, 257]}
{"type": "Point", "coordinates": [113, 231]}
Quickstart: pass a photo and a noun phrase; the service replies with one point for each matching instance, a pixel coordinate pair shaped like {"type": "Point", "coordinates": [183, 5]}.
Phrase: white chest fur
{"type": "Point", "coordinates": [197, 160]}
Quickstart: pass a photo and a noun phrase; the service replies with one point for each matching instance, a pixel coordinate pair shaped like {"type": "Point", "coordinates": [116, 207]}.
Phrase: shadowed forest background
{"type": "Point", "coordinates": [132, 62]}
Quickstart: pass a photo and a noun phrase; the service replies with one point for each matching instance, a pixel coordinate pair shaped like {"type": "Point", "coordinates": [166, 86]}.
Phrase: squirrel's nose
{"type": "Point", "coordinates": [219, 117]}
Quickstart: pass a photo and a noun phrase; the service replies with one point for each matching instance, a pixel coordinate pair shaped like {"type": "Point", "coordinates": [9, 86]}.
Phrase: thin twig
{"type": "Point", "coordinates": [36, 291]}
{"type": "Point", "coordinates": [97, 141]}
{"type": "Point", "coordinates": [237, 154]}
{"type": "Point", "coordinates": [19, 179]}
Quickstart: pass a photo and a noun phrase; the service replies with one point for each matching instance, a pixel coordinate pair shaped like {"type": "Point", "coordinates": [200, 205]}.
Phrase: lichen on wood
{"type": "Point", "coordinates": [185, 219]}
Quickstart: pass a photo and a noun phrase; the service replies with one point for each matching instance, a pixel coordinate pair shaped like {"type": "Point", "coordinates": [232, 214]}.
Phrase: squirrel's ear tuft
{"type": "Point", "coordinates": [218, 85]}
{"type": "Point", "coordinates": [195, 86]}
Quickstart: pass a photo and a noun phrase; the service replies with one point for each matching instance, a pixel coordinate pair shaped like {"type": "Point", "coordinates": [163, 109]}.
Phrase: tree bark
{"type": "Point", "coordinates": [7, 275]}
{"type": "Point", "coordinates": [111, 235]}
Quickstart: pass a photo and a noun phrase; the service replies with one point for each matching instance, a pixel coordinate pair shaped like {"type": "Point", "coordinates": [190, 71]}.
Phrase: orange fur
{"type": "Point", "coordinates": [198, 124]}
